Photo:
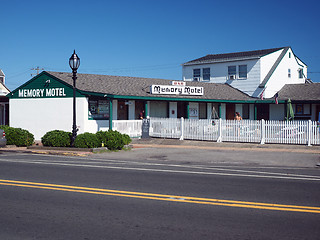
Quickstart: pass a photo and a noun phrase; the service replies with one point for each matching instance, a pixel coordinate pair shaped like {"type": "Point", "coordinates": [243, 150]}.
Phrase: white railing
{"type": "Point", "coordinates": [165, 127]}
{"type": "Point", "coordinates": [130, 127]}
{"type": "Point", "coordinates": [259, 131]}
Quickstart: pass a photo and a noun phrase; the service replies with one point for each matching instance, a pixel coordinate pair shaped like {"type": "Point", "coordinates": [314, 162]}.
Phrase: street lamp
{"type": "Point", "coordinates": [74, 63]}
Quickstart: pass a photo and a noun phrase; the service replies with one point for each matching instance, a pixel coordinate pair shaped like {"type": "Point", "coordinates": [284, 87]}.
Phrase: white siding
{"type": "Point", "coordinates": [280, 76]}
{"type": "Point", "coordinates": [267, 62]}
{"type": "Point", "coordinates": [219, 74]}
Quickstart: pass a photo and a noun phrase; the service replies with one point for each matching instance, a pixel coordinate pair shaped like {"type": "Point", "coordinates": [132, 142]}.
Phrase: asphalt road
{"type": "Point", "coordinates": [110, 196]}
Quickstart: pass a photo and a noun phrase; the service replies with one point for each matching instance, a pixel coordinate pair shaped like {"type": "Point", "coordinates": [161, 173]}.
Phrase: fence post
{"type": "Point", "coordinates": [220, 131]}
{"type": "Point", "coordinates": [263, 131]}
{"type": "Point", "coordinates": [309, 128]}
{"type": "Point", "coordinates": [182, 128]}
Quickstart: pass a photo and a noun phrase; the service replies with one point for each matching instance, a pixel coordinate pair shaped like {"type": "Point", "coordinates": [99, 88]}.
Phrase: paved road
{"type": "Point", "coordinates": [110, 196]}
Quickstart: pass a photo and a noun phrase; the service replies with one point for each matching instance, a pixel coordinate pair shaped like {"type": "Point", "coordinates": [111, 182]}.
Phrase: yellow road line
{"type": "Point", "coordinates": [162, 197]}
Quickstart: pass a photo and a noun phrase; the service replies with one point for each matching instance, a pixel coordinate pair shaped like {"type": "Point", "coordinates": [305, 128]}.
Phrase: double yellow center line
{"type": "Point", "coordinates": [162, 197]}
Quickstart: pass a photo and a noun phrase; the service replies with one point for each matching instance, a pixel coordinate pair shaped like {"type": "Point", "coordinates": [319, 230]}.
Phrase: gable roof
{"type": "Point", "coordinates": [211, 58]}
{"type": "Point", "coordinates": [140, 87]}
{"type": "Point", "coordinates": [300, 92]}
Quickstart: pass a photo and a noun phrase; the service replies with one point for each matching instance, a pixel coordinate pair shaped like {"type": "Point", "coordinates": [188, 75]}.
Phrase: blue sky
{"type": "Point", "coordinates": [149, 38]}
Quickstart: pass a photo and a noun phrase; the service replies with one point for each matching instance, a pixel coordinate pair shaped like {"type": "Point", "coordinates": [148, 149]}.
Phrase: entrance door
{"type": "Point", "coordinates": [122, 110]}
{"type": "Point", "coordinates": [181, 109]}
{"type": "Point", "coordinates": [230, 111]}
{"type": "Point", "coordinates": [263, 111]}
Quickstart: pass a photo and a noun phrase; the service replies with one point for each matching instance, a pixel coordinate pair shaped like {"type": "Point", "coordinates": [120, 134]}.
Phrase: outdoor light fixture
{"type": "Point", "coordinates": [74, 63]}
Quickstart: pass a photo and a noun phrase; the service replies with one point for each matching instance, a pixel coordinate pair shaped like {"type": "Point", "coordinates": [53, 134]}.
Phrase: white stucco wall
{"type": "Point", "coordinates": [39, 116]}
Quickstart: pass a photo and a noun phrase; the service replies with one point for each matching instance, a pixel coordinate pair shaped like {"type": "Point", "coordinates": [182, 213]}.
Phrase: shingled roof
{"type": "Point", "coordinates": [211, 58]}
{"type": "Point", "coordinates": [300, 92]}
{"type": "Point", "coordinates": [140, 87]}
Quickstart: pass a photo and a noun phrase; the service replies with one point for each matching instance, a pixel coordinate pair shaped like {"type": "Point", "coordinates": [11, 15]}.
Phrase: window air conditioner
{"type": "Point", "coordinates": [232, 77]}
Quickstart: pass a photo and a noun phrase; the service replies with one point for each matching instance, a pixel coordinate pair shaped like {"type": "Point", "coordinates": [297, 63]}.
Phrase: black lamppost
{"type": "Point", "coordinates": [74, 63]}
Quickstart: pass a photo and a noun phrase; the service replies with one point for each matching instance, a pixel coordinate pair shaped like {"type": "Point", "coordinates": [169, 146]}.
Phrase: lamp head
{"type": "Point", "coordinates": [74, 61]}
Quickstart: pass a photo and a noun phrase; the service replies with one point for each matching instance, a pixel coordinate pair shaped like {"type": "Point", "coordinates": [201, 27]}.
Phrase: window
{"type": "Point", "coordinates": [242, 71]}
{"type": "Point", "coordinates": [196, 74]}
{"type": "Point", "coordinates": [289, 54]}
{"type": "Point", "coordinates": [300, 73]}
{"type": "Point", "coordinates": [232, 72]}
{"type": "Point", "coordinates": [98, 109]}
{"type": "Point", "coordinates": [206, 74]}
{"type": "Point", "coordinates": [289, 73]}
{"type": "Point", "coordinates": [245, 111]}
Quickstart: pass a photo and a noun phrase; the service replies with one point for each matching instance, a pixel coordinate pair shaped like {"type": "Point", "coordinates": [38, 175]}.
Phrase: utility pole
{"type": "Point", "coordinates": [36, 69]}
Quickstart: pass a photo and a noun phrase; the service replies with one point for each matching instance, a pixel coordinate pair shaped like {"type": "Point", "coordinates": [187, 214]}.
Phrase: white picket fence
{"type": "Point", "coordinates": [251, 131]}
{"type": "Point", "coordinates": [259, 131]}
{"type": "Point", "coordinates": [130, 127]}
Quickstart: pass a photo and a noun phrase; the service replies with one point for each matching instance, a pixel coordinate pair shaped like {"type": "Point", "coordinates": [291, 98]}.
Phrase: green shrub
{"type": "Point", "coordinates": [126, 139]}
{"type": "Point", "coordinates": [113, 140]}
{"type": "Point", "coordinates": [18, 136]}
{"type": "Point", "coordinates": [87, 140]}
{"type": "Point", "coordinates": [57, 138]}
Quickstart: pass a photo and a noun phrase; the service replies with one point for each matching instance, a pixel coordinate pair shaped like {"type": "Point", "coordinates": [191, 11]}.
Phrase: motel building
{"type": "Point", "coordinates": [45, 102]}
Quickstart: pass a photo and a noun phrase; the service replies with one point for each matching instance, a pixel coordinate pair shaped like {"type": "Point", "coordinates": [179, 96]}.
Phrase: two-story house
{"type": "Point", "coordinates": [260, 72]}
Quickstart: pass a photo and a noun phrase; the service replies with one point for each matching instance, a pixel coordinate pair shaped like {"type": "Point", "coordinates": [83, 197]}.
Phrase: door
{"type": "Point", "coordinates": [122, 110]}
{"type": "Point", "coordinates": [230, 111]}
{"type": "Point", "coordinates": [263, 111]}
{"type": "Point", "coordinates": [182, 109]}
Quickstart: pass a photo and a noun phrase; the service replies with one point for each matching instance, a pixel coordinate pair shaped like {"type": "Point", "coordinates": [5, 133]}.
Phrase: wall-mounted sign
{"type": "Point", "coordinates": [39, 93]}
{"type": "Point", "coordinates": [176, 90]}
{"type": "Point", "coordinates": [178, 83]}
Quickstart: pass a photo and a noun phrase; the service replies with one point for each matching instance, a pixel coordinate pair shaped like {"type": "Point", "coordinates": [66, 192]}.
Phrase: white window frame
{"type": "Point", "coordinates": [196, 76]}
{"type": "Point", "coordinates": [232, 75]}
{"type": "Point", "coordinates": [240, 71]}
{"type": "Point", "coordinates": [203, 74]}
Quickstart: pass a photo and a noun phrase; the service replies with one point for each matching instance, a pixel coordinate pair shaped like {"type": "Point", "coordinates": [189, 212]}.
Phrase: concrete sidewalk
{"type": "Point", "coordinates": [187, 144]}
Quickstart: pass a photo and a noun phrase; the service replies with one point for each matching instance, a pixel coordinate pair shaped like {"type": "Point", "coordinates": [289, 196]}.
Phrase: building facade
{"type": "Point", "coordinates": [257, 84]}
{"type": "Point", "coordinates": [253, 72]}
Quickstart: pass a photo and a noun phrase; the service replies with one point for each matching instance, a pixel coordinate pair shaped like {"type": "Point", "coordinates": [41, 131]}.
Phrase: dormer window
{"type": "Point", "coordinates": [243, 71]}
{"type": "Point", "coordinates": [196, 74]}
{"type": "Point", "coordinates": [206, 74]}
{"type": "Point", "coordinates": [232, 72]}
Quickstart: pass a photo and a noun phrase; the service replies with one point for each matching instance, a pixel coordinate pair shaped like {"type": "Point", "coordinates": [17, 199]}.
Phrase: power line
{"type": "Point", "coordinates": [36, 69]}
